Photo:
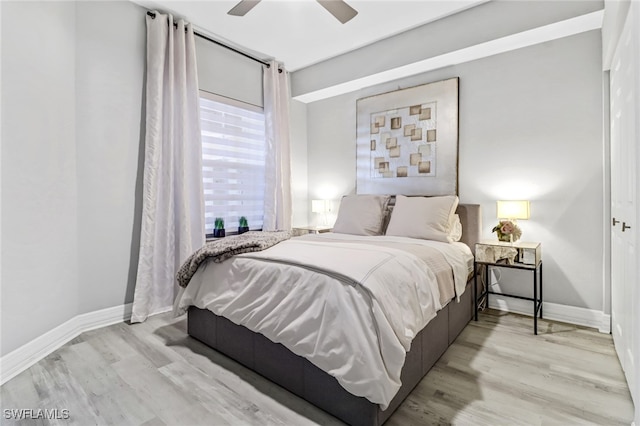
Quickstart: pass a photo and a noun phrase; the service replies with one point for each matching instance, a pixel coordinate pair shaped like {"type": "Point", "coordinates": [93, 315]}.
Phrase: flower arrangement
{"type": "Point", "coordinates": [507, 230]}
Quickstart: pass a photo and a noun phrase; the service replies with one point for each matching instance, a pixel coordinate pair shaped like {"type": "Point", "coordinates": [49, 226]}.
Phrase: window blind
{"type": "Point", "coordinates": [233, 157]}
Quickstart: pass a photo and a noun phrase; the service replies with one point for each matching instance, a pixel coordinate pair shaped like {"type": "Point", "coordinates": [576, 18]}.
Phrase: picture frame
{"type": "Point", "coordinates": [407, 141]}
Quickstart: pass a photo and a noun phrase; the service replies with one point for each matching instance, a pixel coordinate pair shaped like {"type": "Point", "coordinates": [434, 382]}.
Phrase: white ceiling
{"type": "Point", "coordinates": [301, 32]}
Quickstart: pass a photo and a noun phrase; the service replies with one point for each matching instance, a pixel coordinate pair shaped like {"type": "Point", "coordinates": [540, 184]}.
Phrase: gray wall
{"type": "Point", "coordinates": [39, 191]}
{"type": "Point", "coordinates": [530, 127]}
{"type": "Point", "coordinates": [299, 172]}
{"type": "Point", "coordinates": [71, 140]}
{"type": "Point", "coordinates": [110, 68]}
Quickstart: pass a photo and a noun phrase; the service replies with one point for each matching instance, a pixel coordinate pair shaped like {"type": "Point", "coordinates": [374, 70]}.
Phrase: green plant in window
{"type": "Point", "coordinates": [243, 222]}
{"type": "Point", "coordinates": [243, 226]}
{"type": "Point", "coordinates": [218, 231]}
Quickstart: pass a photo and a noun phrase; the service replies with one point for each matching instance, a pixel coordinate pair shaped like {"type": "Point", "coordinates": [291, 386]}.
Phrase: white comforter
{"type": "Point", "coordinates": [351, 309]}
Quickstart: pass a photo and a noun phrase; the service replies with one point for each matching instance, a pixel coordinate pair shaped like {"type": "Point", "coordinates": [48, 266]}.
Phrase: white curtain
{"type": "Point", "coordinates": [277, 200]}
{"type": "Point", "coordinates": [173, 205]}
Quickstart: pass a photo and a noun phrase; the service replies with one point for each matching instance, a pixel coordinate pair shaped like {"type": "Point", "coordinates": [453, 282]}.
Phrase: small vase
{"type": "Point", "coordinates": [218, 233]}
{"type": "Point", "coordinates": [504, 237]}
{"type": "Point", "coordinates": [242, 229]}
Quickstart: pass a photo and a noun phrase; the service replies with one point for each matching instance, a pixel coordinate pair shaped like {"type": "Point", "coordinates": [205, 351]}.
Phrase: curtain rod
{"type": "Point", "coordinates": [153, 16]}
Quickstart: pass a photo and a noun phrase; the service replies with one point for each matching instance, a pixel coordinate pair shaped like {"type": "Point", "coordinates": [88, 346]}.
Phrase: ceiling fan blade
{"type": "Point", "coordinates": [338, 8]}
{"type": "Point", "coordinates": [243, 7]}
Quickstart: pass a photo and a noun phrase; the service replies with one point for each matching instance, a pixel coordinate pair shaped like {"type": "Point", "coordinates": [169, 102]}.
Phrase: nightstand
{"type": "Point", "coordinates": [302, 230]}
{"type": "Point", "coordinates": [518, 255]}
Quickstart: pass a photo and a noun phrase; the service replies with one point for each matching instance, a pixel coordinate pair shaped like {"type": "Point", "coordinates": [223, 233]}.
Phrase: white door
{"type": "Point", "coordinates": [625, 131]}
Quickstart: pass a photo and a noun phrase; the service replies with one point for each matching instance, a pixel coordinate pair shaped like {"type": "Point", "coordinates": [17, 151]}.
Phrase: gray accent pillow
{"type": "Point", "coordinates": [361, 214]}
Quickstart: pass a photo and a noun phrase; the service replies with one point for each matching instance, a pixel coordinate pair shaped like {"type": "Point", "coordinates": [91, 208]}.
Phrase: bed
{"type": "Point", "coordinates": [378, 378]}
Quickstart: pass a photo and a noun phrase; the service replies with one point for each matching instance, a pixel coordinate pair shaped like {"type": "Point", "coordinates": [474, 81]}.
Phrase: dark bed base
{"type": "Point", "coordinates": [299, 376]}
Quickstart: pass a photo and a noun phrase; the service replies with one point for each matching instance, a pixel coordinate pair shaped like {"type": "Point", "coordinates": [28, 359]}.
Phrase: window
{"type": "Point", "coordinates": [233, 157]}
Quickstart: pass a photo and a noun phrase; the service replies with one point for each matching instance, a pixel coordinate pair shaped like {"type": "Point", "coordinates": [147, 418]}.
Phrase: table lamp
{"type": "Point", "coordinates": [320, 206]}
{"type": "Point", "coordinates": [513, 210]}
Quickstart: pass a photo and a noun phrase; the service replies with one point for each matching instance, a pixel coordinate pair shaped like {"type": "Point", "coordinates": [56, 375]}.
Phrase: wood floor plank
{"type": "Point", "coordinates": [111, 344]}
{"type": "Point", "coordinates": [58, 389]}
{"type": "Point", "coordinates": [231, 407]}
{"type": "Point", "coordinates": [158, 392]}
{"type": "Point", "coordinates": [496, 373]}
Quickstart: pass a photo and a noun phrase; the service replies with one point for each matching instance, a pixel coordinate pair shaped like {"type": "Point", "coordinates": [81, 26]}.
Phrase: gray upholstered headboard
{"type": "Point", "coordinates": [471, 219]}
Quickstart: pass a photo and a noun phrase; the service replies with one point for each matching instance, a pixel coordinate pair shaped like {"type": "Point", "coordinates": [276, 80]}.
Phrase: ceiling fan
{"type": "Point", "coordinates": [338, 8]}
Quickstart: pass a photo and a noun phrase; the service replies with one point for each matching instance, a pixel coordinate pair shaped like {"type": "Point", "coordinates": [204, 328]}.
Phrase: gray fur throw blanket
{"type": "Point", "coordinates": [224, 248]}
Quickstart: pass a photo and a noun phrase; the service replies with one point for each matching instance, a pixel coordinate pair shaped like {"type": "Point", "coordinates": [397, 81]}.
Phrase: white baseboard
{"type": "Point", "coordinates": [554, 311]}
{"type": "Point", "coordinates": [25, 356]}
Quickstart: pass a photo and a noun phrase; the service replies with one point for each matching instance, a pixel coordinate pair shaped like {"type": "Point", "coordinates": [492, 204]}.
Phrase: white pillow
{"type": "Point", "coordinates": [361, 214]}
{"type": "Point", "coordinates": [455, 233]}
{"type": "Point", "coordinates": [428, 218]}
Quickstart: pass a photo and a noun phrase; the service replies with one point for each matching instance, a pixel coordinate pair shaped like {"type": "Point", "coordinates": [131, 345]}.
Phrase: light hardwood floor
{"type": "Point", "coordinates": [496, 373]}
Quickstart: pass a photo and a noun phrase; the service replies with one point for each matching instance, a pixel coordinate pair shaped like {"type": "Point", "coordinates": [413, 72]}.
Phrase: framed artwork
{"type": "Point", "coordinates": [407, 141]}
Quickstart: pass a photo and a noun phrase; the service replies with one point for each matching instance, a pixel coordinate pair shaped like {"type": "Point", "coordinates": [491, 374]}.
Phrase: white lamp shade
{"type": "Point", "coordinates": [513, 209]}
{"type": "Point", "coordinates": [318, 206]}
